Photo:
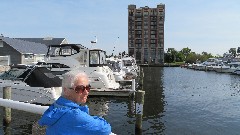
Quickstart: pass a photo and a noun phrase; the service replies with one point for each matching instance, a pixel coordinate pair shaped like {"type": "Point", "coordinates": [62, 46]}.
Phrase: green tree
{"type": "Point", "coordinates": [180, 57]}
{"type": "Point", "coordinates": [205, 56]}
{"type": "Point", "coordinates": [185, 52]}
{"type": "Point", "coordinates": [167, 57]}
{"type": "Point", "coordinates": [233, 51]}
{"type": "Point", "coordinates": [172, 52]}
{"type": "Point", "coordinates": [192, 58]}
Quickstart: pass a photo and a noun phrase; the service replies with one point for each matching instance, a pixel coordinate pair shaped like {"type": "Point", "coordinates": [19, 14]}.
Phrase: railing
{"type": "Point", "coordinates": [9, 104]}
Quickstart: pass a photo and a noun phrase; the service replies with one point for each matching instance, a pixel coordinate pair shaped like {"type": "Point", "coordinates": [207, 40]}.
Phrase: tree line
{"type": "Point", "coordinates": [185, 55]}
{"type": "Point", "coordinates": [188, 56]}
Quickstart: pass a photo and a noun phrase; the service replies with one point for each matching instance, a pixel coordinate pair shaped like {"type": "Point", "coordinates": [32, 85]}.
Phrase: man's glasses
{"type": "Point", "coordinates": [81, 88]}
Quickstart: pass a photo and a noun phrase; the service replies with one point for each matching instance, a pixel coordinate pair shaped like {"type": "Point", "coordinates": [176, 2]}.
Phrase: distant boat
{"type": "Point", "coordinates": [236, 72]}
{"type": "Point", "coordinates": [116, 66]}
{"type": "Point", "coordinates": [207, 65]}
{"type": "Point", "coordinates": [130, 66]}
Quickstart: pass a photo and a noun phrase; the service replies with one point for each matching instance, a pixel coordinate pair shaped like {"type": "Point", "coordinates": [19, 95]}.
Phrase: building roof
{"type": "Point", "coordinates": [25, 46]}
{"type": "Point", "coordinates": [47, 41]}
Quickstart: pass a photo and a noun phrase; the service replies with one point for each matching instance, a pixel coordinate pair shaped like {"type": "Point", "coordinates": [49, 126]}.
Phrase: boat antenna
{"type": "Point", "coordinates": [94, 42]}
{"type": "Point", "coordinates": [114, 46]}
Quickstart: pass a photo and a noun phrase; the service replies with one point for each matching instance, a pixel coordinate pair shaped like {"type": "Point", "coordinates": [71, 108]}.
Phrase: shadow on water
{"type": "Point", "coordinates": [153, 101]}
{"type": "Point", "coordinates": [21, 123]}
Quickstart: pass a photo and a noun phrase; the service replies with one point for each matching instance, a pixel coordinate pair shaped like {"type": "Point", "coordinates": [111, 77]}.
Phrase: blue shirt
{"type": "Point", "coordinates": [65, 117]}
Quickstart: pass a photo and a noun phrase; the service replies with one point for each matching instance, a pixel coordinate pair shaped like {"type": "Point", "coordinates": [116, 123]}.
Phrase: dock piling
{"type": "Point", "coordinates": [141, 76]}
{"type": "Point", "coordinates": [133, 84]}
{"type": "Point", "coordinates": [139, 102]}
{"type": "Point", "coordinates": [7, 111]}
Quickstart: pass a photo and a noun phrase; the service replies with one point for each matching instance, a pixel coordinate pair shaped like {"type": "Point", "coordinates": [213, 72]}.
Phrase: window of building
{"type": "Point", "coordinates": [131, 13]}
{"type": "Point", "coordinates": [138, 41]}
{"type": "Point", "coordinates": [160, 55]}
{"type": "Point", "coordinates": [160, 36]}
{"type": "Point", "coordinates": [146, 41]}
{"type": "Point", "coordinates": [138, 55]}
{"type": "Point", "coordinates": [28, 56]}
{"type": "Point", "coordinates": [139, 23]}
{"type": "Point", "coordinates": [145, 13]}
{"type": "Point", "coordinates": [153, 41]}
{"type": "Point", "coordinates": [138, 45]}
{"type": "Point", "coordinates": [1, 43]}
{"type": "Point", "coordinates": [139, 32]}
{"type": "Point", "coordinates": [153, 45]}
{"type": "Point", "coordinates": [139, 27]}
{"type": "Point", "coordinates": [161, 18]}
{"type": "Point", "coordinates": [131, 52]}
{"type": "Point", "coordinates": [153, 36]}
{"type": "Point", "coordinates": [153, 32]}
{"type": "Point", "coordinates": [153, 54]}
{"type": "Point", "coordinates": [160, 31]}
{"type": "Point", "coordinates": [153, 27]}
{"type": "Point", "coordinates": [145, 55]}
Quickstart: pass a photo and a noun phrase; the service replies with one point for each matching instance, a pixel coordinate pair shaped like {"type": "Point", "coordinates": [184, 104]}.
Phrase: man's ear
{"type": "Point", "coordinates": [66, 91]}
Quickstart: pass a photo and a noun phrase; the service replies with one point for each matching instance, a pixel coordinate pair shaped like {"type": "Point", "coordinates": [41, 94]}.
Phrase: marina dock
{"type": "Point", "coordinates": [112, 93]}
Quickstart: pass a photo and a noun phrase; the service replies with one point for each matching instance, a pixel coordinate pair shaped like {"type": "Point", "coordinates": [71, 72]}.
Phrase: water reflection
{"type": "Point", "coordinates": [98, 106]}
{"type": "Point", "coordinates": [177, 101]}
{"type": "Point", "coordinates": [102, 106]}
{"type": "Point", "coordinates": [235, 85]}
{"type": "Point", "coordinates": [154, 100]}
{"type": "Point", "coordinates": [200, 102]}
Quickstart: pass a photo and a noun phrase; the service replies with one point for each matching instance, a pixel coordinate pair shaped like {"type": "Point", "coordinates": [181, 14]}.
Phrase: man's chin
{"type": "Point", "coordinates": [84, 100]}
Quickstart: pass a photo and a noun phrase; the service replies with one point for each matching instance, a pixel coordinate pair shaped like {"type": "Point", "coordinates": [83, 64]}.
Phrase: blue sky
{"type": "Point", "coordinates": [202, 25]}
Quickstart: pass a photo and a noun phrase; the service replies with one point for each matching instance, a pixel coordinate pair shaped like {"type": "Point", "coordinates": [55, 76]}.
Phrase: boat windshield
{"type": "Point", "coordinates": [127, 62]}
{"type": "Point", "coordinates": [114, 65]}
{"type": "Point", "coordinates": [13, 73]}
{"type": "Point", "coordinates": [94, 57]}
{"type": "Point", "coordinates": [61, 51]}
{"type": "Point", "coordinates": [97, 58]}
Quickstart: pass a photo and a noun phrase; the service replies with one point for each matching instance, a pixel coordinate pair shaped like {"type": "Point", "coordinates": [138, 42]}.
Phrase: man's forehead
{"type": "Point", "coordinates": [82, 80]}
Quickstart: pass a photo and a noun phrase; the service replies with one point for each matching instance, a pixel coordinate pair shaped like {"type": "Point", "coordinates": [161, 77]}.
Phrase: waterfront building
{"type": "Point", "coordinates": [21, 51]}
{"type": "Point", "coordinates": [25, 50]}
{"type": "Point", "coordinates": [146, 33]}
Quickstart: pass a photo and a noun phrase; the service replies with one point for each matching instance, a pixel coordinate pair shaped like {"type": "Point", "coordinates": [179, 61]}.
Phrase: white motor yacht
{"type": "Point", "coordinates": [115, 64]}
{"type": "Point", "coordinates": [31, 83]}
{"type": "Point", "coordinates": [66, 57]}
{"type": "Point", "coordinates": [130, 66]}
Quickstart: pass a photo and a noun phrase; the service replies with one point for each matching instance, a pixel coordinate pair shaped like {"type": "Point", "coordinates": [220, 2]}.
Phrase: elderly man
{"type": "Point", "coordinates": [66, 116]}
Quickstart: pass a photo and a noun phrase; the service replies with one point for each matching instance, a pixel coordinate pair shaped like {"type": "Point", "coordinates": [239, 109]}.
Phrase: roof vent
{"type": "Point", "coordinates": [48, 38]}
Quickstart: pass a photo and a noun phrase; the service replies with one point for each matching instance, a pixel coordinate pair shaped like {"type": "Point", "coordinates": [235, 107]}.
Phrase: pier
{"type": "Point", "coordinates": [9, 104]}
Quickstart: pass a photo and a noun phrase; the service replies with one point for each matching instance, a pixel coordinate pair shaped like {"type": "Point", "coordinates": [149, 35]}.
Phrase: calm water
{"type": "Point", "coordinates": [178, 101]}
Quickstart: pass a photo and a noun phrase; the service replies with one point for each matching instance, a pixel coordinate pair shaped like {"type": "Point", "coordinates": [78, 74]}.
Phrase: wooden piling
{"type": "Point", "coordinates": [139, 102]}
{"type": "Point", "coordinates": [7, 111]}
{"type": "Point", "coordinates": [141, 78]}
